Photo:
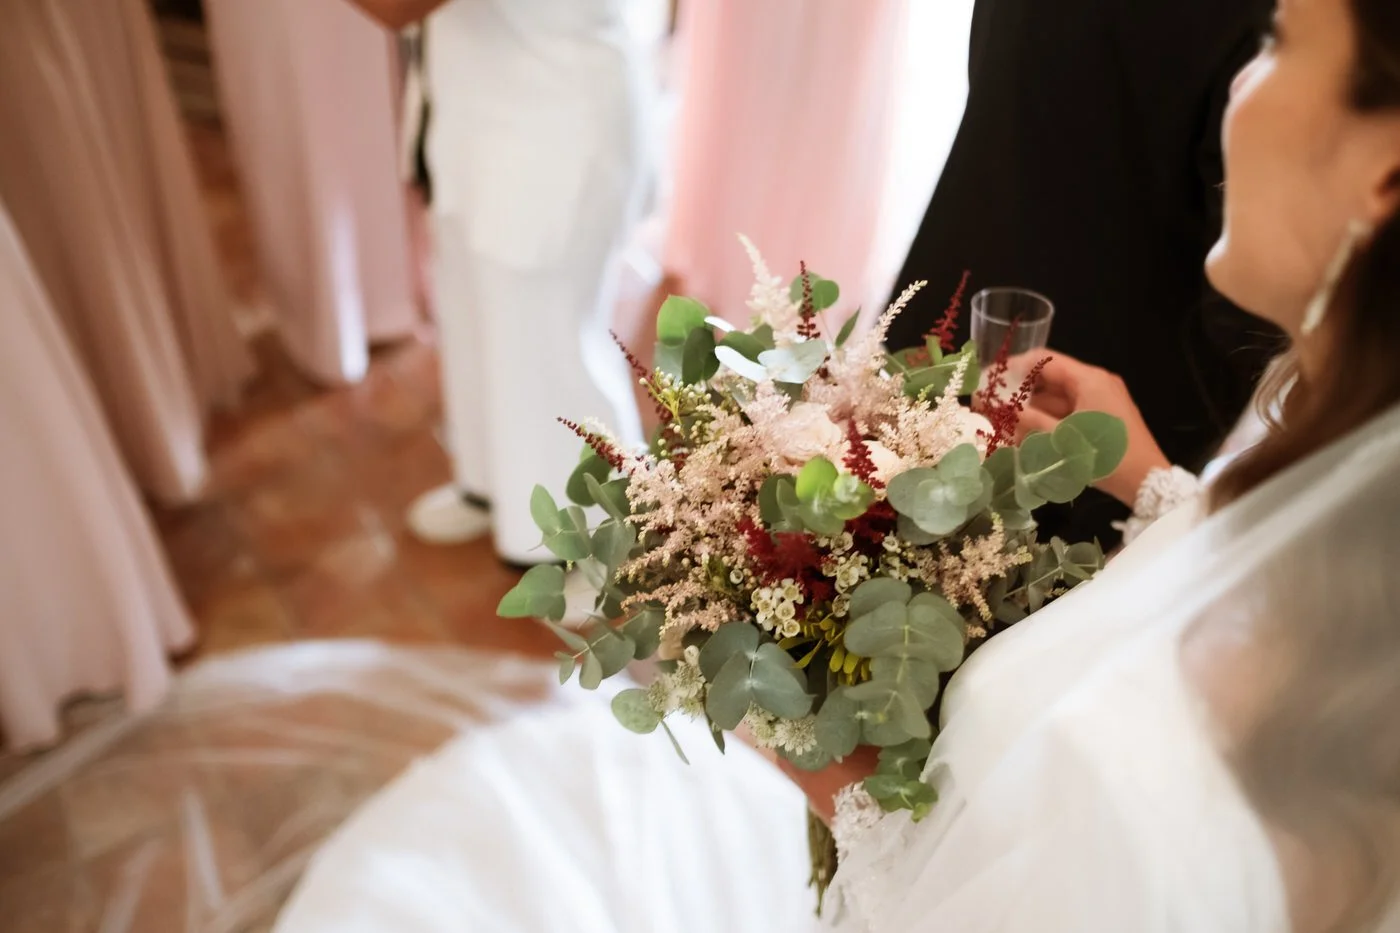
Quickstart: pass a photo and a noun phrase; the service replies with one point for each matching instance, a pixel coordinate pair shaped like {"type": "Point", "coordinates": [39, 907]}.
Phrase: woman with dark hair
{"type": "Point", "coordinates": [1202, 739]}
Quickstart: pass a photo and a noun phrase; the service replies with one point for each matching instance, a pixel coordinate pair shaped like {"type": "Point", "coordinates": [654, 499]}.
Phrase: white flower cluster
{"type": "Point", "coordinates": [776, 607]}
{"type": "Point", "coordinates": [850, 571]}
{"type": "Point", "coordinates": [680, 690]}
{"type": "Point", "coordinates": [896, 561]}
{"type": "Point", "coordinates": [794, 736]}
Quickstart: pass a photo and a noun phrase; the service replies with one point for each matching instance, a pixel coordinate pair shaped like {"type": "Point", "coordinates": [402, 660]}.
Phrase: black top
{"type": "Point", "coordinates": [1088, 167]}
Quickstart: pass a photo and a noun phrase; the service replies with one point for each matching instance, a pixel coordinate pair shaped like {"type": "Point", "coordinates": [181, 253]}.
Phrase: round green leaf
{"type": "Point", "coordinates": [698, 361]}
{"type": "Point", "coordinates": [747, 345]}
{"type": "Point", "coordinates": [677, 318]}
{"type": "Point", "coordinates": [1107, 435]}
{"type": "Point", "coordinates": [635, 712]}
{"type": "Point", "coordinates": [544, 511]}
{"type": "Point", "coordinates": [837, 728]}
{"type": "Point", "coordinates": [777, 684]}
{"type": "Point", "coordinates": [538, 595]}
{"type": "Point", "coordinates": [872, 594]}
{"type": "Point", "coordinates": [825, 292]}
{"type": "Point", "coordinates": [728, 641]}
{"type": "Point", "coordinates": [816, 479]}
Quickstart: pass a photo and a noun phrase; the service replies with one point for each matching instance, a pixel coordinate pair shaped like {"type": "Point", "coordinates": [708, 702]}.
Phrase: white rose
{"type": "Point", "coordinates": [888, 464]}
{"type": "Point", "coordinates": [806, 433]}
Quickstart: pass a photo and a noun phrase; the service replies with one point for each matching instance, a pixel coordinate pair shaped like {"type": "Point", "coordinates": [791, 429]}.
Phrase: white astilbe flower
{"type": "Point", "coordinates": [769, 298]}
{"type": "Point", "coordinates": [856, 384]}
{"type": "Point", "coordinates": [922, 433]}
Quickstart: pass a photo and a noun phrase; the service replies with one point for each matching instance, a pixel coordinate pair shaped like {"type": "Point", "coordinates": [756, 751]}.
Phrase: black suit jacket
{"type": "Point", "coordinates": [1088, 167]}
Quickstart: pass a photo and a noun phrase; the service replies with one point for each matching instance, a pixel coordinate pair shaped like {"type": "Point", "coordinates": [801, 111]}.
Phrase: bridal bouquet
{"type": "Point", "coordinates": [819, 533]}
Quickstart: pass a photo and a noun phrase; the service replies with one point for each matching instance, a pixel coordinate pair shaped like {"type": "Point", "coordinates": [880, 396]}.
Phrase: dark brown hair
{"type": "Point", "coordinates": [1364, 326]}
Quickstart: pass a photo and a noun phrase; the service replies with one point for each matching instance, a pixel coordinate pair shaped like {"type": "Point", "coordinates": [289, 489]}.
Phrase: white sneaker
{"type": "Point", "coordinates": [441, 516]}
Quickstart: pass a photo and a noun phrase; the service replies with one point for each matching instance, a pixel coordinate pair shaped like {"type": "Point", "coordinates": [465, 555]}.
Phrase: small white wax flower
{"type": "Point", "coordinates": [791, 628]}
{"type": "Point", "coordinates": [786, 612]}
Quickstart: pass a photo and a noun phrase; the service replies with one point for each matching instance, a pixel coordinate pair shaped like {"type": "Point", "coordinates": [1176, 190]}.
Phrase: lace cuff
{"type": "Point", "coordinates": [856, 812]}
{"type": "Point", "coordinates": [1161, 492]}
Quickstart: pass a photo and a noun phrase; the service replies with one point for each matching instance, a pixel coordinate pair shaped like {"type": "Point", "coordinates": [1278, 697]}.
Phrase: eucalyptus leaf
{"type": "Point", "coordinates": [590, 676]}
{"type": "Point", "coordinates": [538, 595]}
{"type": "Point", "coordinates": [816, 479]}
{"type": "Point", "coordinates": [872, 594]}
{"type": "Point", "coordinates": [670, 359]}
{"type": "Point", "coordinates": [677, 318]}
{"type": "Point", "coordinates": [777, 684]}
{"type": "Point", "coordinates": [848, 328]}
{"type": "Point", "coordinates": [794, 364]}
{"type": "Point", "coordinates": [572, 541]}
{"type": "Point", "coordinates": [825, 292]}
{"type": "Point", "coordinates": [747, 345]}
{"type": "Point", "coordinates": [837, 728]}
{"type": "Point", "coordinates": [680, 752]}
{"type": "Point", "coordinates": [733, 359]}
{"type": "Point", "coordinates": [611, 496]}
{"type": "Point", "coordinates": [590, 466]}
{"type": "Point", "coordinates": [1044, 474]}
{"type": "Point", "coordinates": [1107, 435]}
{"type": "Point", "coordinates": [644, 629]}
{"type": "Point", "coordinates": [567, 663]}
{"type": "Point", "coordinates": [613, 543]}
{"type": "Point", "coordinates": [545, 511]}
{"type": "Point", "coordinates": [698, 361]}
{"type": "Point", "coordinates": [635, 712]}
{"type": "Point", "coordinates": [907, 760]}
{"type": "Point", "coordinates": [726, 642]}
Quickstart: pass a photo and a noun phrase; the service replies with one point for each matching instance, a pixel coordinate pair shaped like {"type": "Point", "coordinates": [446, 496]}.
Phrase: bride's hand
{"type": "Point", "coordinates": [1067, 386]}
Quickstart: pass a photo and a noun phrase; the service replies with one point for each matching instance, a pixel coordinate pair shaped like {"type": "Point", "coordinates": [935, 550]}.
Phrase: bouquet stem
{"type": "Point", "coordinates": [822, 845]}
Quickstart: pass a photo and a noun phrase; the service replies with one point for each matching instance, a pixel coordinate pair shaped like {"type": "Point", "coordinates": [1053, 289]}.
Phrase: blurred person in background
{"type": "Point", "coordinates": [98, 180]}
{"type": "Point", "coordinates": [308, 93]}
{"type": "Point", "coordinates": [87, 603]}
{"type": "Point", "coordinates": [1088, 168]}
{"type": "Point", "coordinates": [537, 152]}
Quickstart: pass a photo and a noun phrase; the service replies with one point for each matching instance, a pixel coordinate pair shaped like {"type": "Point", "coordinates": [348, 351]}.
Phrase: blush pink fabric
{"type": "Point", "coordinates": [99, 182]}
{"type": "Point", "coordinates": [86, 601]}
{"type": "Point", "coordinates": [783, 135]}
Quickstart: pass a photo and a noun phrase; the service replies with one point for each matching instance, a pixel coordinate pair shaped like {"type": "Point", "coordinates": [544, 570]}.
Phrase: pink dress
{"type": "Point", "coordinates": [308, 90]}
{"type": "Point", "coordinates": [784, 134]}
{"type": "Point", "coordinates": [98, 179]}
{"type": "Point", "coordinates": [86, 601]}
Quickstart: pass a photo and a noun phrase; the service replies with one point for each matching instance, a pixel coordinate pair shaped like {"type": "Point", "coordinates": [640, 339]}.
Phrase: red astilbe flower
{"type": "Point", "coordinates": [808, 327]}
{"type": "Point", "coordinates": [1002, 410]}
{"type": "Point", "coordinates": [871, 529]}
{"type": "Point", "coordinates": [786, 555]}
{"type": "Point", "coordinates": [662, 412]}
{"type": "Point", "coordinates": [948, 323]}
{"type": "Point", "coordinates": [601, 445]}
{"type": "Point", "coordinates": [857, 459]}
{"type": "Point", "coordinates": [945, 328]}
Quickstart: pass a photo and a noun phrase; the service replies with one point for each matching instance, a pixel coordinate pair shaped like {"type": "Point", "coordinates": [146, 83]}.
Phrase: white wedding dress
{"type": "Point", "coordinates": [1081, 783]}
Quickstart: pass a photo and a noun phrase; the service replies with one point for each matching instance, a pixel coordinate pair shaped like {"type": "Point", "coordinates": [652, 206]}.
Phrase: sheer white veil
{"type": "Point", "coordinates": [1281, 615]}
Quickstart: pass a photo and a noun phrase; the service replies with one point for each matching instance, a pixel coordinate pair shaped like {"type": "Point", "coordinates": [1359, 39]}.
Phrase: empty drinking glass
{"type": "Point", "coordinates": [997, 312]}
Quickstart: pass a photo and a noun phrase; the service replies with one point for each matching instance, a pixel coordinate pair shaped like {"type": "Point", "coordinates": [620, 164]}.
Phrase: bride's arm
{"type": "Point", "coordinates": [822, 787]}
{"type": "Point", "coordinates": [396, 14]}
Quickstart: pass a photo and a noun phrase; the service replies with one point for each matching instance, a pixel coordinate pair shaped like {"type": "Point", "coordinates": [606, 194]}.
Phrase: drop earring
{"type": "Point", "coordinates": [1321, 302]}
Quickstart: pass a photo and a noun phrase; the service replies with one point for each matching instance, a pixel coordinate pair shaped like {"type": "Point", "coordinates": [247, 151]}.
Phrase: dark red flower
{"type": "Point", "coordinates": [857, 458]}
{"type": "Point", "coordinates": [947, 325]}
